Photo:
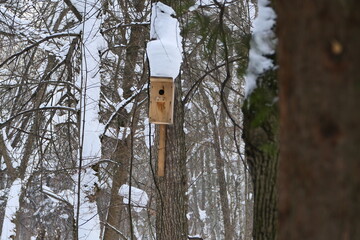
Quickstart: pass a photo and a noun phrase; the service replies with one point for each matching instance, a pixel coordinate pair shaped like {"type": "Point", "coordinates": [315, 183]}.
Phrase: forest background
{"type": "Point", "coordinates": [78, 154]}
{"type": "Point", "coordinates": [74, 122]}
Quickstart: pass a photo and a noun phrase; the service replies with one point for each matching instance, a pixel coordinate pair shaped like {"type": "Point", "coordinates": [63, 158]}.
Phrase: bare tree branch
{"type": "Point", "coordinates": [197, 83]}
{"type": "Point", "coordinates": [7, 159]}
{"type": "Point", "coordinates": [116, 230]}
{"type": "Point", "coordinates": [74, 10]}
{"type": "Point", "coordinates": [3, 124]}
{"type": "Point", "coordinates": [37, 44]}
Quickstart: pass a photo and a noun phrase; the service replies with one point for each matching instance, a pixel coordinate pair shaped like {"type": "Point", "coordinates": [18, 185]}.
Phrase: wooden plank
{"type": "Point", "coordinates": [161, 100]}
{"type": "Point", "coordinates": [161, 150]}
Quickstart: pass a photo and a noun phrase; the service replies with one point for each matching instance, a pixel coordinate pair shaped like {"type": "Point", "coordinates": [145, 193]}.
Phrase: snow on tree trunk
{"type": "Point", "coordinates": [89, 82]}
{"type": "Point", "coordinates": [262, 44]}
{"type": "Point", "coordinates": [12, 205]}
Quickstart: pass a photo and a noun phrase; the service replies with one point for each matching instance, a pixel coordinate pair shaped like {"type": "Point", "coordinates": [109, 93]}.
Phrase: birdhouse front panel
{"type": "Point", "coordinates": [161, 100]}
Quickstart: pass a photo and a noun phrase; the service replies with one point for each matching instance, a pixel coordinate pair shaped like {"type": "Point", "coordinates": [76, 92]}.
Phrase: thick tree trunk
{"type": "Point", "coordinates": [260, 134]}
{"type": "Point", "coordinates": [319, 57]}
{"type": "Point", "coordinates": [172, 202]}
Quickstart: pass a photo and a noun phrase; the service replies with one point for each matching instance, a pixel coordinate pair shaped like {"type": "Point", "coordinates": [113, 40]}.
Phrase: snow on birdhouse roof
{"type": "Point", "coordinates": [164, 49]}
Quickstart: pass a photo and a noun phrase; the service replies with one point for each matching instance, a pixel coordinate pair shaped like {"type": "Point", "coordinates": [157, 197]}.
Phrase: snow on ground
{"type": "Point", "coordinates": [263, 43]}
{"type": "Point", "coordinates": [164, 49]}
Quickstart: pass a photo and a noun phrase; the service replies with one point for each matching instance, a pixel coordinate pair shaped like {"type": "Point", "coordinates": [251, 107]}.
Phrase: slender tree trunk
{"type": "Point", "coordinates": [220, 170]}
{"type": "Point", "coordinates": [172, 202]}
{"type": "Point", "coordinates": [116, 207]}
{"type": "Point", "coordinates": [319, 57]}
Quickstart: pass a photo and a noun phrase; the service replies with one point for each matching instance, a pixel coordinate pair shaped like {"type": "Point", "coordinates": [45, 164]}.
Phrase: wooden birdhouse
{"type": "Point", "coordinates": [161, 100]}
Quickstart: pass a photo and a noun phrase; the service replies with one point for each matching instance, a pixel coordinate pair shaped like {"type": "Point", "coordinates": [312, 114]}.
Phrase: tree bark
{"type": "Point", "coordinates": [319, 56]}
{"type": "Point", "coordinates": [249, 205]}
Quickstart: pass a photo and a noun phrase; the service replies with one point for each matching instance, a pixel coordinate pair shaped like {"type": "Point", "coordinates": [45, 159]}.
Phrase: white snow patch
{"type": "Point", "coordinates": [202, 214]}
{"type": "Point", "coordinates": [263, 43]}
{"type": "Point", "coordinates": [139, 197]}
{"type": "Point", "coordinates": [193, 8]}
{"type": "Point", "coordinates": [64, 216]}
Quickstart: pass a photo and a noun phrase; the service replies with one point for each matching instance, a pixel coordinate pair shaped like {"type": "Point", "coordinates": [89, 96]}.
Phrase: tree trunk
{"type": "Point", "coordinates": [172, 202]}
{"type": "Point", "coordinates": [319, 57]}
{"type": "Point", "coordinates": [116, 207]}
{"type": "Point", "coordinates": [260, 134]}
